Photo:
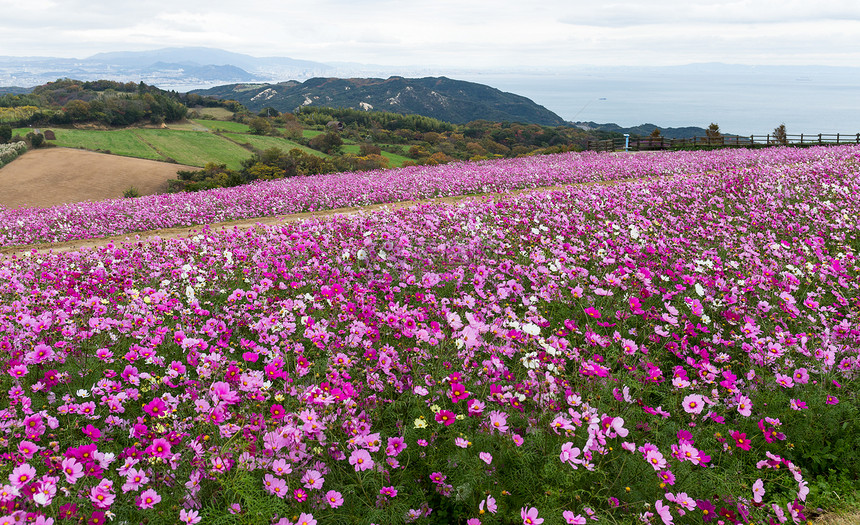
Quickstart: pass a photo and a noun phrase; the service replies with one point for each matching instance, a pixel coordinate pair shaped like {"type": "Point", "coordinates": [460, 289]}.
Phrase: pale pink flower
{"type": "Point", "coordinates": [530, 516]}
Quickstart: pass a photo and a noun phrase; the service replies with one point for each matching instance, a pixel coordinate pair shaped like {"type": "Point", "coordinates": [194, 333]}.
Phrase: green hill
{"type": "Point", "coordinates": [441, 98]}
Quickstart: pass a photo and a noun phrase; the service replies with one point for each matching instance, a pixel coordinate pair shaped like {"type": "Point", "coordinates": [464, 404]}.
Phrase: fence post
{"type": "Point", "coordinates": [819, 139]}
{"type": "Point", "coordinates": [837, 139]}
{"type": "Point", "coordinates": [801, 139]}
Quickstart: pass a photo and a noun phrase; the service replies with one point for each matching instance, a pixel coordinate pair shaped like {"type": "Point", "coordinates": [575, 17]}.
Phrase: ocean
{"type": "Point", "coordinates": [743, 100]}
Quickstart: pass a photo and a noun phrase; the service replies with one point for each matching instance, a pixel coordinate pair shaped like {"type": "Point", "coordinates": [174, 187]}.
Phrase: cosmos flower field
{"type": "Point", "coordinates": [682, 347]}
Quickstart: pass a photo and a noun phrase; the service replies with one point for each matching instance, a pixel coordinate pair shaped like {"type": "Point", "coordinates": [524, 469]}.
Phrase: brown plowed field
{"type": "Point", "coordinates": [53, 176]}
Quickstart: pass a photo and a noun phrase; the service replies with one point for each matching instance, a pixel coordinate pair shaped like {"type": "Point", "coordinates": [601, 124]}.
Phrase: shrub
{"type": "Point", "coordinates": [131, 193]}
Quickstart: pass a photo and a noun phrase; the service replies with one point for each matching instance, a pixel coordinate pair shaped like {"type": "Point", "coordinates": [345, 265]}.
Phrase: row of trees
{"type": "Point", "coordinates": [110, 103]}
{"type": "Point", "coordinates": [423, 139]}
{"type": "Point", "coordinates": [272, 164]}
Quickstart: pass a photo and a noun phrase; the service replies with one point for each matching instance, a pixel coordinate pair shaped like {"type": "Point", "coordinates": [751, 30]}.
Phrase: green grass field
{"type": "Point", "coordinates": [195, 148]}
{"type": "Point", "coordinates": [187, 144]}
{"type": "Point", "coordinates": [219, 125]}
{"type": "Point", "coordinates": [261, 142]}
{"type": "Point", "coordinates": [214, 113]}
{"type": "Point", "coordinates": [311, 133]}
{"type": "Point", "coordinates": [123, 142]}
{"type": "Point", "coordinates": [394, 160]}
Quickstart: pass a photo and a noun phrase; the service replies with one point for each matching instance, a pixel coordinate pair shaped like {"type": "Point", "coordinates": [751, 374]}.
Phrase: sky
{"type": "Point", "coordinates": [449, 33]}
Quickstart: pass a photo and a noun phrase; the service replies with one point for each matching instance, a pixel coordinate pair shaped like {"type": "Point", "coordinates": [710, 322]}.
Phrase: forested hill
{"type": "Point", "coordinates": [441, 98]}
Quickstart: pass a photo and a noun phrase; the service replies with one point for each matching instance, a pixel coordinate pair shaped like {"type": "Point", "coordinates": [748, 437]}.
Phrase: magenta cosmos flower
{"type": "Point", "coordinates": [446, 417]}
{"type": "Point", "coordinates": [155, 408]}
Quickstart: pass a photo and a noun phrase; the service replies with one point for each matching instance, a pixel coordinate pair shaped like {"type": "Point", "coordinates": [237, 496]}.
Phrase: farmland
{"type": "Point", "coordinates": [678, 346]}
{"type": "Point", "coordinates": [192, 144]}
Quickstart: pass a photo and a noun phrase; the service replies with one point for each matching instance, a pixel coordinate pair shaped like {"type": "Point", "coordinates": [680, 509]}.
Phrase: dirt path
{"type": "Point", "coordinates": [52, 176]}
{"type": "Point", "coordinates": [244, 224]}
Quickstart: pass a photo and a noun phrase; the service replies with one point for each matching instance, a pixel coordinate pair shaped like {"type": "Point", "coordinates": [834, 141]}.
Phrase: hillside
{"type": "Point", "coordinates": [441, 98]}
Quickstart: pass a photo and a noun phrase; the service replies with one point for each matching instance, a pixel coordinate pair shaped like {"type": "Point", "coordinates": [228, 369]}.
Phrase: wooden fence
{"type": "Point", "coordinates": [731, 141]}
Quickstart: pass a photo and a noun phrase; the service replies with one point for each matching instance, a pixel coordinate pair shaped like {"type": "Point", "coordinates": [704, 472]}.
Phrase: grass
{"type": "Point", "coordinates": [185, 144]}
{"type": "Point", "coordinates": [848, 516]}
{"type": "Point", "coordinates": [123, 142]}
{"type": "Point", "coordinates": [262, 142]}
{"type": "Point", "coordinates": [195, 148]}
{"type": "Point", "coordinates": [214, 113]}
{"type": "Point", "coordinates": [394, 160]}
{"type": "Point", "coordinates": [218, 125]}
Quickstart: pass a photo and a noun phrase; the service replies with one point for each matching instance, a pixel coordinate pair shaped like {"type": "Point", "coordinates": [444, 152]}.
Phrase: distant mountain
{"type": "Point", "coordinates": [645, 130]}
{"type": "Point", "coordinates": [199, 56]}
{"type": "Point", "coordinates": [168, 68]}
{"type": "Point", "coordinates": [205, 73]}
{"type": "Point", "coordinates": [441, 98]}
{"type": "Point", "coordinates": [14, 90]}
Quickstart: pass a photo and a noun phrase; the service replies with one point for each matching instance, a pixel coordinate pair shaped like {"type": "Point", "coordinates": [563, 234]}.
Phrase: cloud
{"type": "Point", "coordinates": [480, 33]}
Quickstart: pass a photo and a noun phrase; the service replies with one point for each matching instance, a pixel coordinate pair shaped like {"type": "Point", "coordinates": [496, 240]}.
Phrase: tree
{"type": "Point", "coordinates": [326, 142]}
{"type": "Point", "coordinates": [5, 133]}
{"type": "Point", "coordinates": [260, 126]}
{"type": "Point", "coordinates": [713, 131]}
{"type": "Point", "coordinates": [779, 135]}
{"type": "Point", "coordinates": [656, 133]}
{"type": "Point", "coordinates": [36, 139]}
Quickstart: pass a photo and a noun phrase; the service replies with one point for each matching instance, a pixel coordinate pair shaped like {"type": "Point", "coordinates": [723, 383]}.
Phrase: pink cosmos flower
{"type": "Point", "coordinates": [655, 459]}
{"type": "Point", "coordinates": [306, 519]}
{"type": "Point", "coordinates": [758, 490]}
{"type": "Point", "coordinates": [28, 449]}
{"type": "Point", "coordinates": [334, 499]}
{"type": "Point", "coordinates": [72, 469]}
{"type": "Point", "coordinates": [148, 499]}
{"type": "Point", "coordinates": [573, 519]}
{"type": "Point", "coordinates": [360, 459]}
{"type": "Point", "coordinates": [593, 313]}
{"type": "Point", "coordinates": [101, 497]}
{"type": "Point", "coordinates": [21, 475]}
{"type": "Point", "coordinates": [667, 477]}
{"type": "Point", "coordinates": [458, 392]}
{"type": "Point", "coordinates": [134, 479]}
{"type": "Point", "coordinates": [741, 440]}
{"type": "Point", "coordinates": [155, 408]}
{"type": "Point", "coordinates": [744, 406]}
{"type": "Point", "coordinates": [313, 480]}
{"type": "Point", "coordinates": [277, 412]}
{"type": "Point", "coordinates": [664, 512]}
{"type": "Point", "coordinates": [693, 404]}
{"type": "Point", "coordinates": [530, 516]}
{"type": "Point", "coordinates": [832, 400]}
{"type": "Point", "coordinates": [190, 517]}
{"type": "Point", "coordinates": [92, 432]}
{"type": "Point", "coordinates": [797, 404]}
{"type": "Point", "coordinates": [281, 467]}
{"type": "Point", "coordinates": [391, 492]}
{"type": "Point", "coordinates": [160, 448]}
{"type": "Point", "coordinates": [490, 503]}
{"type": "Point", "coordinates": [395, 446]}
{"type": "Point", "coordinates": [278, 487]}
{"type": "Point", "coordinates": [499, 421]}
{"type": "Point", "coordinates": [486, 457]}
